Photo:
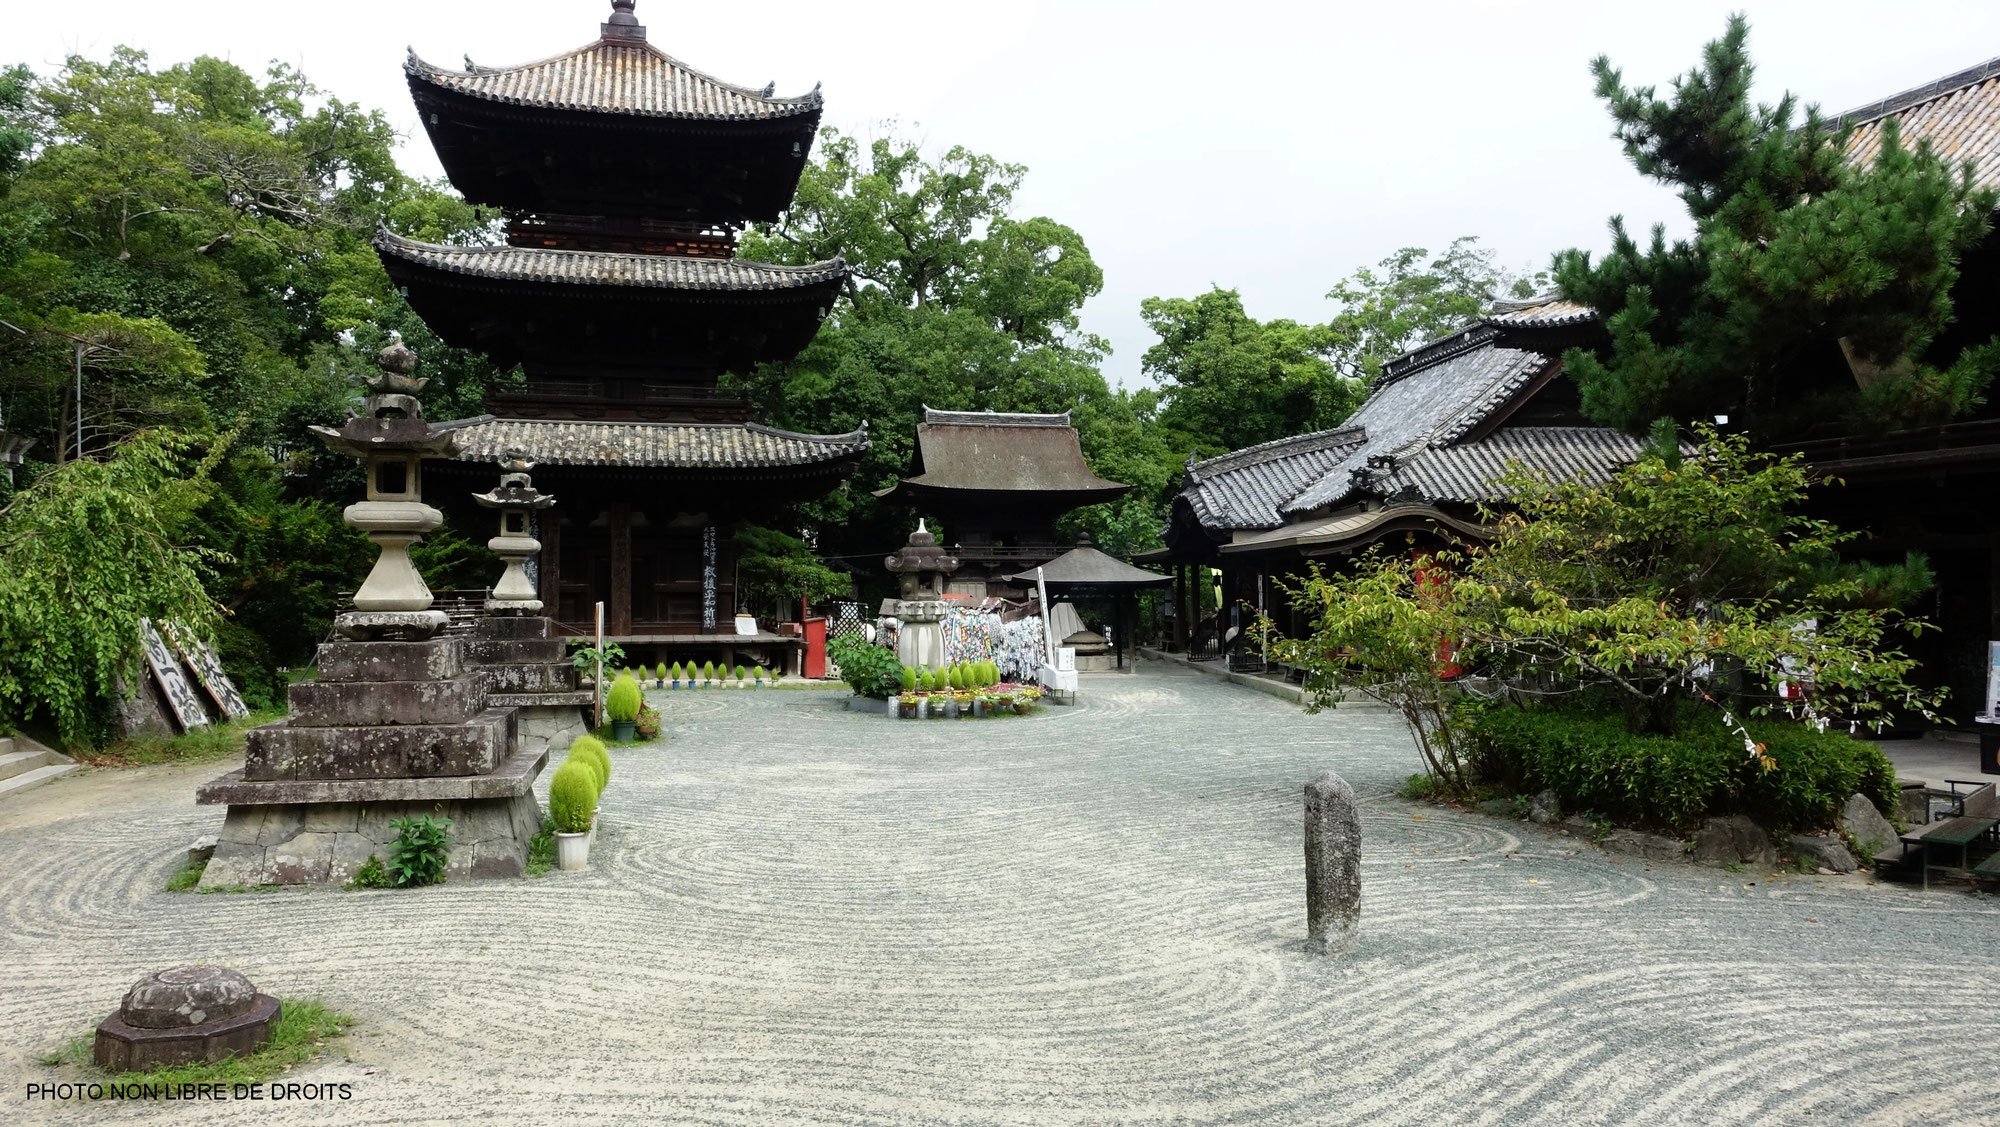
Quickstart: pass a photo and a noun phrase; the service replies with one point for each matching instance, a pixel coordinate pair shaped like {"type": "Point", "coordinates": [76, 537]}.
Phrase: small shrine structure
{"type": "Point", "coordinates": [1086, 573]}
{"type": "Point", "coordinates": [998, 483]}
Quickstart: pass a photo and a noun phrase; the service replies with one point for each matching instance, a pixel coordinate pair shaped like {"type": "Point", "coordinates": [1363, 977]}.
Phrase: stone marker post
{"type": "Point", "coordinates": [1333, 865]}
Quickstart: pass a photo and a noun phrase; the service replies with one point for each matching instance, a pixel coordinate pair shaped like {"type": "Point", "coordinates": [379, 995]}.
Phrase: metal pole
{"type": "Point", "coordinates": [79, 401]}
{"type": "Point", "coordinates": [597, 683]}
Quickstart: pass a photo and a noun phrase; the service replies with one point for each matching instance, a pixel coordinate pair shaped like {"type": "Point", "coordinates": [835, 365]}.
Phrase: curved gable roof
{"type": "Point", "coordinates": [624, 76]}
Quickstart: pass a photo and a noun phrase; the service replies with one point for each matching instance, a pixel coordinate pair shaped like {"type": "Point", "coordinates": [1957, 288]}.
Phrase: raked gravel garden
{"type": "Point", "coordinates": [797, 913]}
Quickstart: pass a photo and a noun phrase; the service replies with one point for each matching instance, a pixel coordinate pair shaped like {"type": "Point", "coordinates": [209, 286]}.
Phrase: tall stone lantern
{"type": "Point", "coordinates": [921, 567]}
{"type": "Point", "coordinates": [392, 439]}
{"type": "Point", "coordinates": [399, 722]}
{"type": "Point", "coordinates": [515, 498]}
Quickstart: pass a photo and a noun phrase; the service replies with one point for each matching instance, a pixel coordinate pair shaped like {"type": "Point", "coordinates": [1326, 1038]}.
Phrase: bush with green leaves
{"type": "Point", "coordinates": [708, 672]}
{"type": "Point", "coordinates": [421, 850]}
{"type": "Point", "coordinates": [573, 797]}
{"type": "Point", "coordinates": [623, 701]}
{"type": "Point", "coordinates": [590, 750]}
{"type": "Point", "coordinates": [742, 674]}
{"type": "Point", "coordinates": [1585, 753]}
{"type": "Point", "coordinates": [761, 673]}
{"type": "Point", "coordinates": [870, 670]}
{"type": "Point", "coordinates": [660, 671]}
{"type": "Point", "coordinates": [908, 678]}
{"type": "Point", "coordinates": [677, 673]}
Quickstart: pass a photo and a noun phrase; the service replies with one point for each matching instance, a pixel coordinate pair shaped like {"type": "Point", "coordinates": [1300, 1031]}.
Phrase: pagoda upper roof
{"type": "Point", "coordinates": [625, 76]}
{"type": "Point", "coordinates": [604, 268]}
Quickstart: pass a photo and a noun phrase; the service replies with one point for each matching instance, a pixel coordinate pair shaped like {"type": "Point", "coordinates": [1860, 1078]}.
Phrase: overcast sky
{"type": "Point", "coordinates": [1265, 146]}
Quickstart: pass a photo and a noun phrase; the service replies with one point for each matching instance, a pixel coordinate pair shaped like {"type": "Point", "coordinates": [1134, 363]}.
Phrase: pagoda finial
{"type": "Point", "coordinates": [622, 24]}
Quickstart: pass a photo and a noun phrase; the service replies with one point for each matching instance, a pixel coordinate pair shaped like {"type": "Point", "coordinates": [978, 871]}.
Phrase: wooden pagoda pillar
{"type": "Point", "coordinates": [1180, 607]}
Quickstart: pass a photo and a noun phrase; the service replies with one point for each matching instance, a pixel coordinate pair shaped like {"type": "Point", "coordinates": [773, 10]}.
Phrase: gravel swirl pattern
{"type": "Point", "coordinates": [800, 914]}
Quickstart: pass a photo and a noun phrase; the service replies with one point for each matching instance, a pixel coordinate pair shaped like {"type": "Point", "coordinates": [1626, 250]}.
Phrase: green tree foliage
{"type": "Point", "coordinates": [1683, 580]}
{"type": "Point", "coordinates": [1228, 380]}
{"type": "Point", "coordinates": [777, 568]}
{"type": "Point", "coordinates": [956, 303]}
{"type": "Point", "coordinates": [1811, 289]}
{"type": "Point", "coordinates": [85, 553]}
{"type": "Point", "coordinates": [201, 236]}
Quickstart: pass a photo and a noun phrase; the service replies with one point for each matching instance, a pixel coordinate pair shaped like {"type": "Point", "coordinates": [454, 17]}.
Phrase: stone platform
{"type": "Point", "coordinates": [390, 730]}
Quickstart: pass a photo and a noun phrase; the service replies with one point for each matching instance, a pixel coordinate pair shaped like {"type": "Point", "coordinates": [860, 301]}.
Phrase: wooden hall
{"type": "Point", "coordinates": [624, 176]}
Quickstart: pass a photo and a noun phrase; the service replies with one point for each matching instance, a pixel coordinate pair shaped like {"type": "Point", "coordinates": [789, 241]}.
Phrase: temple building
{"type": "Point", "coordinates": [1411, 467]}
{"type": "Point", "coordinates": [997, 483]}
{"type": "Point", "coordinates": [1931, 489]}
{"type": "Point", "coordinates": [623, 176]}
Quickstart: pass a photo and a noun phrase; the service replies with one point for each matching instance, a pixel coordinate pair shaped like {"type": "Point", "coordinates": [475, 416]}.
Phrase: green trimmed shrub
{"type": "Point", "coordinates": [573, 797]}
{"type": "Point", "coordinates": [677, 672]}
{"type": "Point", "coordinates": [908, 678]}
{"type": "Point", "coordinates": [623, 701]}
{"type": "Point", "coordinates": [1593, 762]}
{"type": "Point", "coordinates": [708, 672]}
{"type": "Point", "coordinates": [742, 674]}
{"type": "Point", "coordinates": [591, 750]}
{"type": "Point", "coordinates": [761, 673]}
{"type": "Point", "coordinates": [660, 672]}
{"type": "Point", "coordinates": [927, 681]}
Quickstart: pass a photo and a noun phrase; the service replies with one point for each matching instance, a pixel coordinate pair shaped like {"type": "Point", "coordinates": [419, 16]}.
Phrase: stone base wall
{"type": "Point", "coordinates": [327, 843]}
{"type": "Point", "coordinates": [550, 727]}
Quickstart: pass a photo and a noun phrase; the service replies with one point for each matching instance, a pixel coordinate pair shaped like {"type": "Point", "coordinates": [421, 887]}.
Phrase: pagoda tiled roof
{"type": "Point", "coordinates": [616, 76]}
{"type": "Point", "coordinates": [692, 446]}
{"type": "Point", "coordinates": [1958, 114]}
{"type": "Point", "coordinates": [605, 268]}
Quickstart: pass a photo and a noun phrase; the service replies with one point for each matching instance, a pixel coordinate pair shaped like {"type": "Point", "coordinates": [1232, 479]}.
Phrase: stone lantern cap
{"type": "Point", "coordinates": [187, 996]}
{"type": "Point", "coordinates": [516, 490]}
{"type": "Point", "coordinates": [921, 554]}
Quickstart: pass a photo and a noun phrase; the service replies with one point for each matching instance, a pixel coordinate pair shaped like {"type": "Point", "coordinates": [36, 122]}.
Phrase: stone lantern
{"type": "Point", "coordinates": [920, 567]}
{"type": "Point", "coordinates": [392, 439]}
{"type": "Point", "coordinates": [515, 498]}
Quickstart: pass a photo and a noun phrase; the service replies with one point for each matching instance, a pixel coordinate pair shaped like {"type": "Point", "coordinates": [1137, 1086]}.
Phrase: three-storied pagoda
{"type": "Point", "coordinates": [624, 176]}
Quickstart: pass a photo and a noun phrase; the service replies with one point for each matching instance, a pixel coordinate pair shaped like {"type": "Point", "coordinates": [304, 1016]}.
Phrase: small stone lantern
{"type": "Point", "coordinates": [393, 439]}
{"type": "Point", "coordinates": [920, 567]}
{"type": "Point", "coordinates": [515, 498]}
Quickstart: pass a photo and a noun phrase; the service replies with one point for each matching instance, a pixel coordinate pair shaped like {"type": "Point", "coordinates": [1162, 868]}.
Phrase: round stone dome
{"type": "Point", "coordinates": [184, 996]}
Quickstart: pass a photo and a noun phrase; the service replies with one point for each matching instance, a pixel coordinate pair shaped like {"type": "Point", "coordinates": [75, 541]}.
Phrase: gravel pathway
{"type": "Point", "coordinates": [799, 914]}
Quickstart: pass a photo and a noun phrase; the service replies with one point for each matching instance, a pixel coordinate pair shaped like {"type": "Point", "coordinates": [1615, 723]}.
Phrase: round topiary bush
{"type": "Point", "coordinates": [623, 701]}
{"type": "Point", "coordinates": [590, 750]}
{"type": "Point", "coordinates": [573, 797]}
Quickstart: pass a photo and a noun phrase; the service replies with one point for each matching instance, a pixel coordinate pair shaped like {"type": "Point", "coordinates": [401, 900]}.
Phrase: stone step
{"type": "Point", "coordinates": [6, 745]}
{"type": "Point", "coordinates": [35, 778]}
{"type": "Point", "coordinates": [14, 763]}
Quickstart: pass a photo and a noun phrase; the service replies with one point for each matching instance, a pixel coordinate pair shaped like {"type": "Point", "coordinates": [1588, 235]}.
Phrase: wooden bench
{"type": "Point", "coordinates": [1960, 832]}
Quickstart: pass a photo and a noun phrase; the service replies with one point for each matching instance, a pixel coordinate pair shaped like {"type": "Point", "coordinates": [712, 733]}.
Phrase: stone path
{"type": "Point", "coordinates": [804, 915]}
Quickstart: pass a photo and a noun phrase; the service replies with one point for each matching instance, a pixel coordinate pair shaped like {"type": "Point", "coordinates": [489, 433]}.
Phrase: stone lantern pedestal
{"type": "Point", "coordinates": [398, 722]}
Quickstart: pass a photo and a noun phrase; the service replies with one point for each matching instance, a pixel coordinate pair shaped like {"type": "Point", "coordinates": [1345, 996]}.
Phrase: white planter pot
{"type": "Point", "coordinates": [573, 851]}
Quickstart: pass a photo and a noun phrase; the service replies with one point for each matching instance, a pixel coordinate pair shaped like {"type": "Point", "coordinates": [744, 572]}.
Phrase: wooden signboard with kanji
{"type": "Point", "coordinates": [181, 699]}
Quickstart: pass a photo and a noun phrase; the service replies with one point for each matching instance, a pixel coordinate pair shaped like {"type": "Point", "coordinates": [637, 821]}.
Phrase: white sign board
{"type": "Point", "coordinates": [1065, 658]}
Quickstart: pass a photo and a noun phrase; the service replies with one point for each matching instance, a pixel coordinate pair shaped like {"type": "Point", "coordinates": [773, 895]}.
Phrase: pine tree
{"type": "Point", "coordinates": [1811, 288]}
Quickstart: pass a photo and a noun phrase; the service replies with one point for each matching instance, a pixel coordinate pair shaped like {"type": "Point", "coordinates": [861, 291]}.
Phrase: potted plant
{"type": "Point", "coordinates": [761, 674]}
{"type": "Point", "coordinates": [674, 675]}
{"type": "Point", "coordinates": [944, 705]}
{"type": "Point", "coordinates": [964, 699]}
{"type": "Point", "coordinates": [660, 676]}
{"type": "Point", "coordinates": [622, 704]}
{"type": "Point", "coordinates": [906, 705]}
{"type": "Point", "coordinates": [573, 794]}
{"type": "Point", "coordinates": [908, 679]}
{"type": "Point", "coordinates": [742, 677]}
{"type": "Point", "coordinates": [707, 674]}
